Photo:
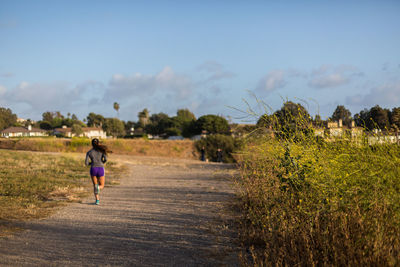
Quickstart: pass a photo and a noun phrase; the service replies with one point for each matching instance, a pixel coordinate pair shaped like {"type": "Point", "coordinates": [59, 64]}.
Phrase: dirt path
{"type": "Point", "coordinates": [166, 212]}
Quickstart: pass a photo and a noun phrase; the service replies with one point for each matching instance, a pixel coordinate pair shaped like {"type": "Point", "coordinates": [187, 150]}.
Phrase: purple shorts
{"type": "Point", "coordinates": [97, 171]}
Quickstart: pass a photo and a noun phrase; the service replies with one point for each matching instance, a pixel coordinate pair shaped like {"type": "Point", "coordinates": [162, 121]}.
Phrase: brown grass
{"type": "Point", "coordinates": [138, 147]}
{"type": "Point", "coordinates": [33, 184]}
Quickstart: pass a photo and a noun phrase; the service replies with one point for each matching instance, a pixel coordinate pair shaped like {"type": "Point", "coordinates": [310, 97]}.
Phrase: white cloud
{"type": "Point", "coordinates": [385, 95]}
{"type": "Point", "coordinates": [215, 71]}
{"type": "Point", "coordinates": [328, 76]}
{"type": "Point", "coordinates": [320, 70]}
{"type": "Point", "coordinates": [122, 87]}
{"type": "Point", "coordinates": [330, 80]}
{"type": "Point", "coordinates": [41, 95]}
{"type": "Point", "coordinates": [273, 80]}
{"type": "Point", "coordinates": [32, 99]}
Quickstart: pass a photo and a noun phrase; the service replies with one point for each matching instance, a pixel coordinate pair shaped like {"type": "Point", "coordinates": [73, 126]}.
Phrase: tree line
{"type": "Point", "coordinates": [184, 123]}
{"type": "Point", "coordinates": [294, 114]}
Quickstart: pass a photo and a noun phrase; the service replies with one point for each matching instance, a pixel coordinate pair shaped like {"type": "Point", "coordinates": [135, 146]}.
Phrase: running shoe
{"type": "Point", "coordinates": [97, 202]}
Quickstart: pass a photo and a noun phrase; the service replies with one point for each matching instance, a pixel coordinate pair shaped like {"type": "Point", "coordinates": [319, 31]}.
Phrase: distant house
{"type": "Point", "coordinates": [337, 129]}
{"type": "Point", "coordinates": [22, 131]}
{"type": "Point", "coordinates": [89, 132]}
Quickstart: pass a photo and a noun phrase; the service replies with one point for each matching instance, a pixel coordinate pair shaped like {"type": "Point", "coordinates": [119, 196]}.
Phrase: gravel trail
{"type": "Point", "coordinates": [165, 212]}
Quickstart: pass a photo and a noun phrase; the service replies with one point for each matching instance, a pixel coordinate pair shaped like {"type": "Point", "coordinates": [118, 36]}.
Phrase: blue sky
{"type": "Point", "coordinates": [82, 56]}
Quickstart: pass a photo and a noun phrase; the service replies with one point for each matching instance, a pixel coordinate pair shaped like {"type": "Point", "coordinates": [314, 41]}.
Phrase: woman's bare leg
{"type": "Point", "coordinates": [102, 181]}
{"type": "Point", "coordinates": [95, 181]}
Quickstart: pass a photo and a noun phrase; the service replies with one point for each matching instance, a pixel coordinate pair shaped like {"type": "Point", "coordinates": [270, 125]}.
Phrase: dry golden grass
{"type": "Point", "coordinates": [32, 184]}
{"type": "Point", "coordinates": [138, 147]}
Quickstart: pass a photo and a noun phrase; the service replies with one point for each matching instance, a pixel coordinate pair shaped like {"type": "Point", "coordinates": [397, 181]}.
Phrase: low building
{"type": "Point", "coordinates": [89, 132]}
{"type": "Point", "coordinates": [336, 129]}
{"type": "Point", "coordinates": [23, 132]}
{"type": "Point", "coordinates": [94, 132]}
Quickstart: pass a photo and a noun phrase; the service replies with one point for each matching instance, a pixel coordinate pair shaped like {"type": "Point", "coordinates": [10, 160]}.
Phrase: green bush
{"type": "Point", "coordinates": [80, 142]}
{"type": "Point", "coordinates": [211, 143]}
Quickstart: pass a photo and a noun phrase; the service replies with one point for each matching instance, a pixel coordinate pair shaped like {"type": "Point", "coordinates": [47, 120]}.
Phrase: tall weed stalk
{"type": "Point", "coordinates": [307, 201]}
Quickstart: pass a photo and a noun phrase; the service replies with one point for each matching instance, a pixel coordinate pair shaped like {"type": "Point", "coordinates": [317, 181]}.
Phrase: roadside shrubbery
{"type": "Point", "coordinates": [226, 143]}
{"type": "Point", "coordinates": [309, 202]}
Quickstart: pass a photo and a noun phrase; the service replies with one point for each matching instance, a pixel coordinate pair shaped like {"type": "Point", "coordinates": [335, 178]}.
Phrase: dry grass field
{"type": "Point", "coordinates": [136, 147]}
{"type": "Point", "coordinates": [32, 184]}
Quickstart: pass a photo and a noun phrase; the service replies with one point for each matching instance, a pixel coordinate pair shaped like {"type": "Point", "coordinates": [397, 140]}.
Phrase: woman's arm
{"type": "Point", "coordinates": [87, 163]}
{"type": "Point", "coordinates": [103, 158]}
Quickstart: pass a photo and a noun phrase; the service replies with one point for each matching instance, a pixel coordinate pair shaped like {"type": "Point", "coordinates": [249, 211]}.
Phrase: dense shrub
{"type": "Point", "coordinates": [307, 202]}
{"type": "Point", "coordinates": [213, 124]}
{"type": "Point", "coordinates": [211, 143]}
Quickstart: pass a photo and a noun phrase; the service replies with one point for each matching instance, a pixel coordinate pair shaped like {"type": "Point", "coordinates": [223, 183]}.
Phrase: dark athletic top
{"type": "Point", "coordinates": [96, 158]}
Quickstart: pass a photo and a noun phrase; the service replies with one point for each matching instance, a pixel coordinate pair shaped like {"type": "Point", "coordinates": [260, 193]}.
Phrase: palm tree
{"type": "Point", "coordinates": [143, 117]}
{"type": "Point", "coordinates": [116, 107]}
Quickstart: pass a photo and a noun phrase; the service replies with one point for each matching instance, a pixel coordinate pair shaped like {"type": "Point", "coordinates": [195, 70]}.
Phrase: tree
{"type": "Point", "coordinates": [45, 125]}
{"type": "Point", "coordinates": [158, 124]}
{"type": "Point", "coordinates": [379, 118]}
{"type": "Point", "coordinates": [212, 124]}
{"type": "Point", "coordinates": [114, 127]}
{"type": "Point", "coordinates": [116, 107]}
{"type": "Point", "coordinates": [362, 119]}
{"type": "Point", "coordinates": [291, 120]}
{"type": "Point", "coordinates": [185, 115]}
{"type": "Point", "coordinates": [95, 120]}
{"type": "Point", "coordinates": [48, 116]}
{"type": "Point", "coordinates": [143, 117]}
{"type": "Point", "coordinates": [395, 117]}
{"type": "Point", "coordinates": [129, 125]}
{"type": "Point", "coordinates": [57, 122]}
{"type": "Point", "coordinates": [173, 131]}
{"type": "Point", "coordinates": [7, 118]}
{"type": "Point", "coordinates": [77, 129]}
{"type": "Point", "coordinates": [266, 121]}
{"type": "Point", "coordinates": [211, 143]}
{"type": "Point", "coordinates": [342, 113]}
{"type": "Point", "coordinates": [185, 121]}
{"type": "Point", "coordinates": [55, 119]}
{"type": "Point", "coordinates": [292, 113]}
{"type": "Point", "coordinates": [318, 121]}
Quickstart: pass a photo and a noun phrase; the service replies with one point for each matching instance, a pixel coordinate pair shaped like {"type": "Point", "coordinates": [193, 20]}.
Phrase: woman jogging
{"type": "Point", "coordinates": [96, 157]}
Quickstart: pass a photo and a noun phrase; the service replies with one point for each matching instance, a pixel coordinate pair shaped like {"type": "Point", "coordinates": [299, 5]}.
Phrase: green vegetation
{"type": "Point", "coordinates": [7, 118]}
{"type": "Point", "coordinates": [114, 127]}
{"type": "Point", "coordinates": [79, 142]}
{"type": "Point", "coordinates": [309, 202]}
{"type": "Point", "coordinates": [52, 120]}
{"type": "Point", "coordinates": [161, 125]}
{"type": "Point", "coordinates": [342, 113]}
{"type": "Point", "coordinates": [213, 124]}
{"type": "Point", "coordinates": [228, 144]}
